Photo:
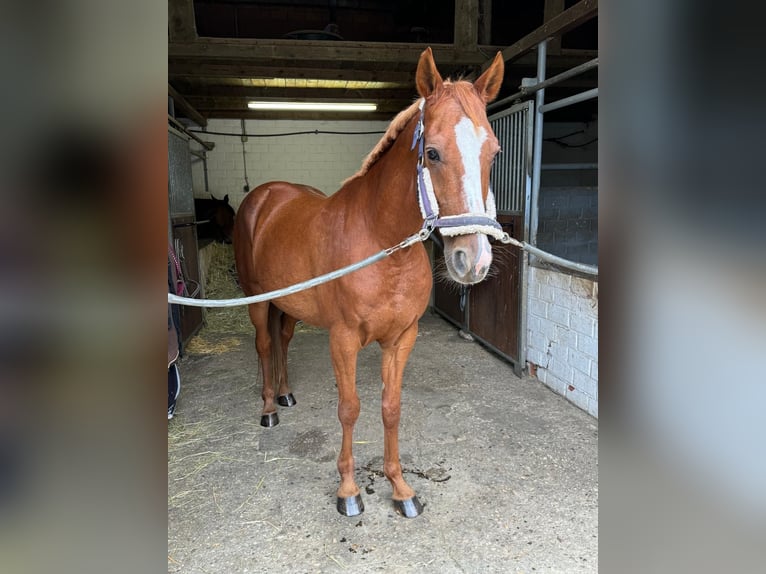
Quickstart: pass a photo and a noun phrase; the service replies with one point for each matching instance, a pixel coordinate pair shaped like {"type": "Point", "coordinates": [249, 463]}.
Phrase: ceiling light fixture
{"type": "Point", "coordinates": [314, 106]}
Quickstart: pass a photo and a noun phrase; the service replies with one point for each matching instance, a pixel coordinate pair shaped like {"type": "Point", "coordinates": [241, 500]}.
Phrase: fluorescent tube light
{"type": "Point", "coordinates": [313, 106]}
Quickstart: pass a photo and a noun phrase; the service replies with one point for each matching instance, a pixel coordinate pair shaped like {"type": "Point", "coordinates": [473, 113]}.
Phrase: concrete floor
{"type": "Point", "coordinates": [507, 470]}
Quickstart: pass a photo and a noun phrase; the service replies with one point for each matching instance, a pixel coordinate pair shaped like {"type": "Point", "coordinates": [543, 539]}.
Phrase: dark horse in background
{"type": "Point", "coordinates": [215, 220]}
{"type": "Point", "coordinates": [287, 233]}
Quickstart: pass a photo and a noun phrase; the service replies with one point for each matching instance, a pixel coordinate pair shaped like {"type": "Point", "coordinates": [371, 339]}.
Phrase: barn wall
{"type": "Point", "coordinates": [562, 335]}
{"type": "Point", "coordinates": [320, 160]}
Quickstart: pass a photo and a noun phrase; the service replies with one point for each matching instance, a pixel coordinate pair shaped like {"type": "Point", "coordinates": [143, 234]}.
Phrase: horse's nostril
{"type": "Point", "coordinates": [460, 262]}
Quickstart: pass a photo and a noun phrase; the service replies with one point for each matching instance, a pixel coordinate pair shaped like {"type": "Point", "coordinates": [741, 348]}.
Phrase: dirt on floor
{"type": "Point", "coordinates": [507, 470]}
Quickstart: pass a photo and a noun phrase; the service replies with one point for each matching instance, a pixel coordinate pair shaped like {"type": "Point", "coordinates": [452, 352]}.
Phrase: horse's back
{"type": "Point", "coordinates": [268, 200]}
{"type": "Point", "coordinates": [270, 221]}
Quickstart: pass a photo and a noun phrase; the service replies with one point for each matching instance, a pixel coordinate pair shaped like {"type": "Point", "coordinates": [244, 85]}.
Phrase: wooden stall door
{"type": "Point", "coordinates": [493, 304]}
{"type": "Point", "coordinates": [446, 292]}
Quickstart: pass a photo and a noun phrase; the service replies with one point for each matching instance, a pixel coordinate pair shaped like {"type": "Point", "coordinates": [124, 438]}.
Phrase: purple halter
{"type": "Point", "coordinates": [449, 225]}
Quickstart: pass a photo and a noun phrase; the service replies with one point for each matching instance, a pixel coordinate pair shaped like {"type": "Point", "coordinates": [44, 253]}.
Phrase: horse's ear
{"type": "Point", "coordinates": [427, 78]}
{"type": "Point", "coordinates": [488, 84]}
{"type": "Point", "coordinates": [225, 198]}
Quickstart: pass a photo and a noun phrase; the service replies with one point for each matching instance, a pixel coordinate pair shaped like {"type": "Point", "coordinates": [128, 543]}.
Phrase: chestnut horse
{"type": "Point", "coordinates": [287, 233]}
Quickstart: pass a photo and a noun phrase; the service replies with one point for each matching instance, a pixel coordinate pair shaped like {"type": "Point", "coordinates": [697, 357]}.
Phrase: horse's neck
{"type": "Point", "coordinates": [386, 196]}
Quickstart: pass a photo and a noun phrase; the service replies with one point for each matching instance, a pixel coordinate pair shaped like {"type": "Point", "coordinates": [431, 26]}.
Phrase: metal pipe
{"type": "Point", "coordinates": [537, 143]}
{"type": "Point", "coordinates": [524, 260]}
{"type": "Point", "coordinates": [567, 166]}
{"type": "Point", "coordinates": [529, 90]}
{"type": "Point", "coordinates": [204, 171]}
{"type": "Point", "coordinates": [545, 256]}
{"type": "Point", "coordinates": [207, 145]}
{"type": "Point", "coordinates": [563, 102]}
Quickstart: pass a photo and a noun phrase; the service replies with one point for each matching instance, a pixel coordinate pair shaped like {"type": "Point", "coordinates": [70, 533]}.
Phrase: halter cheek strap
{"type": "Point", "coordinates": [449, 225]}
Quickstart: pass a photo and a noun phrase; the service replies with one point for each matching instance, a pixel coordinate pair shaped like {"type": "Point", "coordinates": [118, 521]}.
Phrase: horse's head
{"type": "Point", "coordinates": [458, 149]}
{"type": "Point", "coordinates": [223, 216]}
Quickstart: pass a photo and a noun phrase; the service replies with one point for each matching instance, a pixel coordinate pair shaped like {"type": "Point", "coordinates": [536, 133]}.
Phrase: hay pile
{"type": "Point", "coordinates": [220, 279]}
{"type": "Point", "coordinates": [221, 283]}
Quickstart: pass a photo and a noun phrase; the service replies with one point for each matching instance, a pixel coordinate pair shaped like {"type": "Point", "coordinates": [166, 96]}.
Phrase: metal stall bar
{"type": "Point", "coordinates": [525, 161]}
{"type": "Point", "coordinates": [537, 143]}
{"type": "Point", "coordinates": [564, 102]}
{"type": "Point", "coordinates": [567, 166]}
{"type": "Point", "coordinates": [529, 90]}
{"type": "Point", "coordinates": [518, 168]}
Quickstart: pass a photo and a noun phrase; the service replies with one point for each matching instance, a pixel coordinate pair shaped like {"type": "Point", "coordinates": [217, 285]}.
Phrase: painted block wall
{"type": "Point", "coordinates": [562, 335]}
{"type": "Point", "coordinates": [320, 160]}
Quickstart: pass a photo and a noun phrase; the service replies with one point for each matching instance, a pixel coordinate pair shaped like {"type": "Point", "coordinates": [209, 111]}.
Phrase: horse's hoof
{"type": "Point", "coordinates": [269, 420]}
{"type": "Point", "coordinates": [287, 400]}
{"type": "Point", "coordinates": [351, 505]}
{"type": "Point", "coordinates": [409, 508]}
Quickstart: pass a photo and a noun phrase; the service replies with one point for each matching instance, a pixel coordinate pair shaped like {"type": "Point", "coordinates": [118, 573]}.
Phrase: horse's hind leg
{"type": "Point", "coordinates": [395, 355]}
{"type": "Point", "coordinates": [259, 317]}
{"type": "Point", "coordinates": [285, 396]}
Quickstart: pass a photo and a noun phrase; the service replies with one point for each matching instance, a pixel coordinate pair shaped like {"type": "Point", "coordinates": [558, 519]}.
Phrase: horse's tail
{"type": "Point", "coordinates": [278, 356]}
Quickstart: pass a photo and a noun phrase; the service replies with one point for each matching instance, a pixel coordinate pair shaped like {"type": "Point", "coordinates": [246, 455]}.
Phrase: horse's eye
{"type": "Point", "coordinates": [432, 154]}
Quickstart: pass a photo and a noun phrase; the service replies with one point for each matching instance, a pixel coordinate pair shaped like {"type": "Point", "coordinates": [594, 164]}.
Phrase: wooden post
{"type": "Point", "coordinates": [553, 8]}
{"type": "Point", "coordinates": [466, 25]}
{"type": "Point", "coordinates": [181, 26]}
{"type": "Point", "coordinates": [485, 22]}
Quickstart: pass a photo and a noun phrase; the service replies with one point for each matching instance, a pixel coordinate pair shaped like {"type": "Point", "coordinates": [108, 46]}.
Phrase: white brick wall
{"type": "Point", "coordinates": [562, 335]}
{"type": "Point", "coordinates": [320, 160]}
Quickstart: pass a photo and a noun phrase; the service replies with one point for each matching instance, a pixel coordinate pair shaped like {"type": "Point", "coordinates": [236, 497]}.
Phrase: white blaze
{"type": "Point", "coordinates": [469, 142]}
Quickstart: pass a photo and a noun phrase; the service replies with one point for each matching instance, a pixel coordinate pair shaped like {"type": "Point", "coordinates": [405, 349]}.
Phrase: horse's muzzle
{"type": "Point", "coordinates": [468, 258]}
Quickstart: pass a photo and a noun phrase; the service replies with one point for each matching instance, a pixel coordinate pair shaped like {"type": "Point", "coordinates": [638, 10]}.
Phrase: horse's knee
{"type": "Point", "coordinates": [348, 410]}
{"type": "Point", "coordinates": [391, 411]}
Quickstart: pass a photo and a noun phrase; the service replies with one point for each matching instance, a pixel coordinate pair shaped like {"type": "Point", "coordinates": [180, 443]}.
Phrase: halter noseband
{"type": "Point", "coordinates": [449, 225]}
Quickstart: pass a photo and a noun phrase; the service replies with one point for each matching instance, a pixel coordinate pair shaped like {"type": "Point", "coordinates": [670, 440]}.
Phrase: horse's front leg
{"type": "Point", "coordinates": [344, 348]}
{"type": "Point", "coordinates": [395, 355]}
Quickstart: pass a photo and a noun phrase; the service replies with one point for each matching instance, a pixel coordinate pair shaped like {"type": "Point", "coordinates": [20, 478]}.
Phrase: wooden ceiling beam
{"type": "Point", "coordinates": [310, 93]}
{"type": "Point", "coordinates": [385, 116]}
{"type": "Point", "coordinates": [186, 107]}
{"type": "Point", "coordinates": [257, 50]}
{"type": "Point", "coordinates": [557, 25]}
{"type": "Point", "coordinates": [191, 68]}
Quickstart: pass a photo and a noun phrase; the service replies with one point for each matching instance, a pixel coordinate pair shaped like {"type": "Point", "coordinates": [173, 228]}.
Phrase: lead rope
{"type": "Point", "coordinates": [418, 237]}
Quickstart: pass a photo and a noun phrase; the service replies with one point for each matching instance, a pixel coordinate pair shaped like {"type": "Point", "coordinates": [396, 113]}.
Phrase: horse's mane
{"type": "Point", "coordinates": [463, 91]}
{"type": "Point", "coordinates": [392, 132]}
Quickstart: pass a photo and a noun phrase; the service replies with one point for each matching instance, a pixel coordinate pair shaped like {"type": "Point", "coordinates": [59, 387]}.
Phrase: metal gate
{"type": "Point", "coordinates": [183, 233]}
{"type": "Point", "coordinates": [494, 311]}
